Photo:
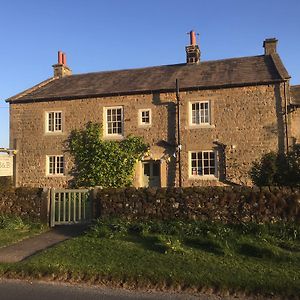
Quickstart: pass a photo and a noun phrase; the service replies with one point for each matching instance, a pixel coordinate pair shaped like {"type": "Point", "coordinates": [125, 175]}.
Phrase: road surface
{"type": "Point", "coordinates": [26, 290]}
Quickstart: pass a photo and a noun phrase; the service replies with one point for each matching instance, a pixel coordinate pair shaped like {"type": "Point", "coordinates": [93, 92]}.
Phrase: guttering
{"type": "Point", "coordinates": [140, 92]}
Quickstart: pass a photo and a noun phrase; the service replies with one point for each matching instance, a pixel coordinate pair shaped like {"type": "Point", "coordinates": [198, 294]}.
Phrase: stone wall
{"type": "Point", "coordinates": [224, 204]}
{"type": "Point", "coordinates": [246, 123]}
{"type": "Point", "coordinates": [29, 203]}
{"type": "Point", "coordinates": [295, 125]}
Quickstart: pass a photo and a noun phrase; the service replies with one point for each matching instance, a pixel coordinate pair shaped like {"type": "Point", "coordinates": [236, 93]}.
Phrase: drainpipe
{"type": "Point", "coordinates": [286, 117]}
{"type": "Point", "coordinates": [178, 133]}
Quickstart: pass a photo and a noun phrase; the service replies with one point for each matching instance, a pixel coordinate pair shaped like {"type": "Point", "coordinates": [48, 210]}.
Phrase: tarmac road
{"type": "Point", "coordinates": [26, 290]}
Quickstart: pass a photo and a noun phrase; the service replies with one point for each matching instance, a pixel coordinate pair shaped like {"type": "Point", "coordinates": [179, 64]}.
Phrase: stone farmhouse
{"type": "Point", "coordinates": [225, 115]}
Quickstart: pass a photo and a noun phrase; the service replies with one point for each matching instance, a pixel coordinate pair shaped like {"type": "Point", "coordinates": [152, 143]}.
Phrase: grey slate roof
{"type": "Point", "coordinates": [208, 74]}
{"type": "Point", "coordinates": [295, 94]}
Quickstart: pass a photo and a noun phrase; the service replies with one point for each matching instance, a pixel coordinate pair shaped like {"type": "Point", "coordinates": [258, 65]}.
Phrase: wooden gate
{"type": "Point", "coordinates": [70, 206]}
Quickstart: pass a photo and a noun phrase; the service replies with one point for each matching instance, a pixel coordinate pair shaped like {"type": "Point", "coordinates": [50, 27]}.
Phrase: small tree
{"type": "Point", "coordinates": [104, 163]}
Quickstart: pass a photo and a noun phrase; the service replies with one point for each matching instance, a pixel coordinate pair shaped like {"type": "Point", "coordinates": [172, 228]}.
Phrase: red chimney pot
{"type": "Point", "coordinates": [193, 37]}
{"type": "Point", "coordinates": [64, 59]}
{"type": "Point", "coordinates": [60, 57]}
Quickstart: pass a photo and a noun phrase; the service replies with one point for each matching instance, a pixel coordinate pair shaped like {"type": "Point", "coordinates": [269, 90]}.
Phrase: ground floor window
{"type": "Point", "coordinates": [55, 165]}
{"type": "Point", "coordinates": [203, 163]}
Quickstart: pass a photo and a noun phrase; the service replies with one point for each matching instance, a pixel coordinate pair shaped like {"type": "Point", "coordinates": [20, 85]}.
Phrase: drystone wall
{"type": "Point", "coordinates": [224, 204]}
{"type": "Point", "coordinates": [28, 203]}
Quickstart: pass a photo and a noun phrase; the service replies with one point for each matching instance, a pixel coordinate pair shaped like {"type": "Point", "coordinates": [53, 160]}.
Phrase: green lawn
{"type": "Point", "coordinates": [14, 229]}
{"type": "Point", "coordinates": [253, 258]}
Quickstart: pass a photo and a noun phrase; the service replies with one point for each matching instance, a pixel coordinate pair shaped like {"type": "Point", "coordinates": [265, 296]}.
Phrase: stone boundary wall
{"type": "Point", "coordinates": [24, 202]}
{"type": "Point", "coordinates": [224, 204]}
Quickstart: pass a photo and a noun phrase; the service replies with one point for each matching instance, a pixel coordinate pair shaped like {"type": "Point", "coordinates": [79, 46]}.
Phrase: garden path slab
{"type": "Point", "coordinates": [28, 247]}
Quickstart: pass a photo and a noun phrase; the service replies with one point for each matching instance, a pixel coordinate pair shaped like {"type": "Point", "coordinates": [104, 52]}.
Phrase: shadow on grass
{"type": "Point", "coordinates": [150, 242]}
{"type": "Point", "coordinates": [206, 245]}
{"type": "Point", "coordinates": [248, 249]}
{"type": "Point", "coordinates": [292, 247]}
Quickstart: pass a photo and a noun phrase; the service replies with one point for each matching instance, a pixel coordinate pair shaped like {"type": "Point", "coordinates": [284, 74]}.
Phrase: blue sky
{"type": "Point", "coordinates": [102, 35]}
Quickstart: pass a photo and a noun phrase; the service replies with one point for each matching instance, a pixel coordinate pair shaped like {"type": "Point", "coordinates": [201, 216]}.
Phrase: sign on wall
{"type": "Point", "coordinates": [6, 165]}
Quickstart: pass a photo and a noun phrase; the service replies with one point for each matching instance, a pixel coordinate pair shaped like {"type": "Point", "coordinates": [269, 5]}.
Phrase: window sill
{"type": "Point", "coordinates": [113, 137]}
{"type": "Point", "coordinates": [54, 133]}
{"type": "Point", "coordinates": [205, 177]}
{"type": "Point", "coordinates": [200, 126]}
{"type": "Point", "coordinates": [144, 125]}
{"type": "Point", "coordinates": [55, 175]}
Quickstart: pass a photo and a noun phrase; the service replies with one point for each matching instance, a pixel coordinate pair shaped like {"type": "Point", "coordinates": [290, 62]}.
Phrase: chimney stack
{"type": "Point", "coordinates": [270, 46]}
{"type": "Point", "coordinates": [61, 69]}
{"type": "Point", "coordinates": [192, 50]}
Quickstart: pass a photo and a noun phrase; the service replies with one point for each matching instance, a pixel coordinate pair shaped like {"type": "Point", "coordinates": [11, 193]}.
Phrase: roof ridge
{"type": "Point", "coordinates": [169, 65]}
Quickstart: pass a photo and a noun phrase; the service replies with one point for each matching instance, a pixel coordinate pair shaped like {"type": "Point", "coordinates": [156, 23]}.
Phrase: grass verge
{"type": "Point", "coordinates": [14, 229]}
{"type": "Point", "coordinates": [252, 258]}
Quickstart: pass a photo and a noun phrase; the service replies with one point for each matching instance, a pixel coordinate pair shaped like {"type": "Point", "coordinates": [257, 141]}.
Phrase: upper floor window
{"type": "Point", "coordinates": [203, 163]}
{"type": "Point", "coordinates": [54, 121]}
{"type": "Point", "coordinates": [145, 116]}
{"type": "Point", "coordinates": [114, 121]}
{"type": "Point", "coordinates": [200, 113]}
{"type": "Point", "coordinates": [55, 165]}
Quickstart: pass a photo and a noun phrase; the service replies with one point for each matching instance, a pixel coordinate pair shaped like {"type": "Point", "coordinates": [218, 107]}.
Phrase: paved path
{"type": "Point", "coordinates": [30, 246]}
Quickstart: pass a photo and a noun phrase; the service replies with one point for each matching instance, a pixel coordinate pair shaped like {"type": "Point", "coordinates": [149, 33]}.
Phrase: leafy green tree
{"type": "Point", "coordinates": [104, 163]}
{"type": "Point", "coordinates": [277, 169]}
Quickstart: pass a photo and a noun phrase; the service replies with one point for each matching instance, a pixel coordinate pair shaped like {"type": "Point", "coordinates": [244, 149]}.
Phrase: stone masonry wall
{"type": "Point", "coordinates": [245, 124]}
{"type": "Point", "coordinates": [24, 202]}
{"type": "Point", "coordinates": [295, 125]}
{"type": "Point", "coordinates": [223, 204]}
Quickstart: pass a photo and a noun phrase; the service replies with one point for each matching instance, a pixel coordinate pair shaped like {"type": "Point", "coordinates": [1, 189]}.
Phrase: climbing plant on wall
{"type": "Point", "coordinates": [99, 162]}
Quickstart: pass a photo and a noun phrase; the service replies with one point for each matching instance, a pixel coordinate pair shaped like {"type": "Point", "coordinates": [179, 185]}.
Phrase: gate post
{"type": "Point", "coordinates": [45, 212]}
{"type": "Point", "coordinates": [52, 207]}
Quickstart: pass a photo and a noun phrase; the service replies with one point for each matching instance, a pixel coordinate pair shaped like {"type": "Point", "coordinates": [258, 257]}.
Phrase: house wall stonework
{"type": "Point", "coordinates": [246, 123]}
{"type": "Point", "coordinates": [295, 125]}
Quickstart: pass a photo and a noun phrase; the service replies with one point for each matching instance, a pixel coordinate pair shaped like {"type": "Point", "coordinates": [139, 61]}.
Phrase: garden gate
{"type": "Point", "coordinates": [70, 206]}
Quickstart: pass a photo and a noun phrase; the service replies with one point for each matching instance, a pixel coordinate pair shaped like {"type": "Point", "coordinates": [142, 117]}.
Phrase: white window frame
{"type": "Point", "coordinates": [194, 174]}
{"type": "Point", "coordinates": [201, 113]}
{"type": "Point", "coordinates": [52, 128]}
{"type": "Point", "coordinates": [57, 169]}
{"type": "Point", "coordinates": [141, 111]}
{"type": "Point", "coordinates": [106, 109]}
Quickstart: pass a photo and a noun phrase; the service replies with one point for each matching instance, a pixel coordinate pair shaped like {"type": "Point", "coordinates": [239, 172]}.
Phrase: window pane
{"type": "Point", "coordinates": [50, 122]}
{"type": "Point", "coordinates": [200, 113]}
{"type": "Point", "coordinates": [203, 163]}
{"type": "Point", "coordinates": [147, 169]}
{"type": "Point", "coordinates": [114, 121]}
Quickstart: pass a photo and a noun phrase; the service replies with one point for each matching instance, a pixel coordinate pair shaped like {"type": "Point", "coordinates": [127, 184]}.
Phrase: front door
{"type": "Point", "coordinates": [151, 173]}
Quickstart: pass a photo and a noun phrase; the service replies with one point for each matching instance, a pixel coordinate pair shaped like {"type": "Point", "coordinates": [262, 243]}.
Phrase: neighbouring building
{"type": "Point", "coordinates": [231, 112]}
{"type": "Point", "coordinates": [294, 110]}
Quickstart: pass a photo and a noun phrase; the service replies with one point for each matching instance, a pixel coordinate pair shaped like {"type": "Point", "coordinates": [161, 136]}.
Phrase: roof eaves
{"type": "Point", "coordinates": [166, 90]}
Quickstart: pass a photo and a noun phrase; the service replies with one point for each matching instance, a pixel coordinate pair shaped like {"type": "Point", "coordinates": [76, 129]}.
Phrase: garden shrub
{"type": "Point", "coordinates": [103, 163]}
{"type": "Point", "coordinates": [277, 169]}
